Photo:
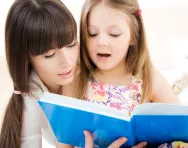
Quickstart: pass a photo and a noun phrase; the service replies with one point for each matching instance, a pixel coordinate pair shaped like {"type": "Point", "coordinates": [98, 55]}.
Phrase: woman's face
{"type": "Point", "coordinates": [57, 66]}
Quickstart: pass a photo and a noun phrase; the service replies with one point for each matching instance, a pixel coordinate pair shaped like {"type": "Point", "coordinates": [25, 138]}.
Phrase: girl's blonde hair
{"type": "Point", "coordinates": [137, 60]}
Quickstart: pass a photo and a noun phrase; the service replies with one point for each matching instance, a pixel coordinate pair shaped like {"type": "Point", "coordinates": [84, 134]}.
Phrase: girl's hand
{"type": "Point", "coordinates": [116, 144]}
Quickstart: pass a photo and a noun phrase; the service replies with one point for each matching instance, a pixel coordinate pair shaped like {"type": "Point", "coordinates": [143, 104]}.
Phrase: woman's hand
{"type": "Point", "coordinates": [116, 144]}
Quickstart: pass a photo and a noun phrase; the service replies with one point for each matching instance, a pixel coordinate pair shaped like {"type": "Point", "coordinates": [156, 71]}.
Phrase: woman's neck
{"type": "Point", "coordinates": [54, 88]}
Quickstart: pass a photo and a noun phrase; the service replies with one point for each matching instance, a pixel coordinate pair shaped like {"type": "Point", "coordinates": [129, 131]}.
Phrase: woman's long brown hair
{"type": "Point", "coordinates": [32, 28]}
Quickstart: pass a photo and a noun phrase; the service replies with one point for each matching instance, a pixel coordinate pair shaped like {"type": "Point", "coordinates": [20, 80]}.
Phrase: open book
{"type": "Point", "coordinates": [154, 123]}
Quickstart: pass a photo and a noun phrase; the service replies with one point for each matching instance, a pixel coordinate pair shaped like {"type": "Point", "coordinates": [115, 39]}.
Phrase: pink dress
{"type": "Point", "coordinates": [122, 98]}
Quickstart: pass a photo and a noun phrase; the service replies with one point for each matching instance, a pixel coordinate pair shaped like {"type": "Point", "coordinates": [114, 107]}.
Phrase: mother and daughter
{"type": "Point", "coordinates": [111, 66]}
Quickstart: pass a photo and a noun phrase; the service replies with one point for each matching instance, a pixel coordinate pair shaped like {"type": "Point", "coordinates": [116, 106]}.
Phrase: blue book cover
{"type": "Point", "coordinates": [154, 123]}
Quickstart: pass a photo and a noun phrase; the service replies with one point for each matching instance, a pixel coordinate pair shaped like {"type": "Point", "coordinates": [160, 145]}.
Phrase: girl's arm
{"type": "Point", "coordinates": [161, 90]}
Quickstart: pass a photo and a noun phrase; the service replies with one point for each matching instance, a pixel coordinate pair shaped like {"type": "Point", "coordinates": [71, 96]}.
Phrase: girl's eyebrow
{"type": "Point", "coordinates": [92, 28]}
{"type": "Point", "coordinates": [113, 26]}
{"type": "Point", "coordinates": [110, 26]}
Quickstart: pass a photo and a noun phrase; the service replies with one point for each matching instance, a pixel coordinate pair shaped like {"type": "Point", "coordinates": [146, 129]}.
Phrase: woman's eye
{"type": "Point", "coordinates": [49, 56]}
{"type": "Point", "coordinates": [92, 35]}
{"type": "Point", "coordinates": [72, 45]}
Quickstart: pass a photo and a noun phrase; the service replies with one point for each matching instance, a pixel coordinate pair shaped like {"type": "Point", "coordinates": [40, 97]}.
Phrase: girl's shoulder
{"type": "Point", "coordinates": [161, 90]}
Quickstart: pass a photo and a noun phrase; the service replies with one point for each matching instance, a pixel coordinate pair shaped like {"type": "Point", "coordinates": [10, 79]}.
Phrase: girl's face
{"type": "Point", "coordinates": [57, 67]}
{"type": "Point", "coordinates": [108, 37]}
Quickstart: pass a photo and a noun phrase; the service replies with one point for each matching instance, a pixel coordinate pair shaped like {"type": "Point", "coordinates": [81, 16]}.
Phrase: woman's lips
{"type": "Point", "coordinates": [66, 74]}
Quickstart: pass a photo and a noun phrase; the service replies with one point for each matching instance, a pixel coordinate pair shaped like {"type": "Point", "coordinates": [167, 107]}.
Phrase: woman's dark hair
{"type": "Point", "coordinates": [32, 28]}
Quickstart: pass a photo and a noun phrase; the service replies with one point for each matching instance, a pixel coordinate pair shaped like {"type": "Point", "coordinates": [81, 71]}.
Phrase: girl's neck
{"type": "Point", "coordinates": [116, 76]}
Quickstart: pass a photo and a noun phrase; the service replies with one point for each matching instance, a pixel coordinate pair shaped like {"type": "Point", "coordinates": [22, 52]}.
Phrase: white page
{"type": "Point", "coordinates": [83, 105]}
{"type": "Point", "coordinates": [160, 109]}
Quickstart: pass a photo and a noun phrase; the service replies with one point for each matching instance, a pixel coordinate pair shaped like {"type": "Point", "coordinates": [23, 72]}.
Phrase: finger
{"type": "Point", "coordinates": [88, 140]}
{"type": "Point", "coordinates": [140, 145]}
{"type": "Point", "coordinates": [119, 142]}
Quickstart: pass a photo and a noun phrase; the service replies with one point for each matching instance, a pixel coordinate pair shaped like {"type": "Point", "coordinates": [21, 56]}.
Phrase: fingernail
{"type": "Point", "coordinates": [85, 132]}
{"type": "Point", "coordinates": [145, 143]}
{"type": "Point", "coordinates": [124, 139]}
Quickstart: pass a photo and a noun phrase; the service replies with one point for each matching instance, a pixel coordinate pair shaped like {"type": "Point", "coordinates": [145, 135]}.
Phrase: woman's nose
{"type": "Point", "coordinates": [65, 59]}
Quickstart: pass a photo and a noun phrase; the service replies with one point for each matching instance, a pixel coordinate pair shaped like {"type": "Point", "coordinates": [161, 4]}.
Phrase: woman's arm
{"type": "Point", "coordinates": [161, 90]}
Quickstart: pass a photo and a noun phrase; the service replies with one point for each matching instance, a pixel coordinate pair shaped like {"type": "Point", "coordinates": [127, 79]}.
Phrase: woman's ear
{"type": "Point", "coordinates": [28, 61]}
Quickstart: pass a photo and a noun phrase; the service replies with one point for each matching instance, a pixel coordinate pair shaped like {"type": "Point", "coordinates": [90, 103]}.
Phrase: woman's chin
{"type": "Point", "coordinates": [66, 81]}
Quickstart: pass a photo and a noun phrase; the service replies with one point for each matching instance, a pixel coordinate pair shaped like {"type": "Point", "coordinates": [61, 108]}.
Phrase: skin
{"type": "Point", "coordinates": [57, 66]}
{"type": "Point", "coordinates": [111, 37]}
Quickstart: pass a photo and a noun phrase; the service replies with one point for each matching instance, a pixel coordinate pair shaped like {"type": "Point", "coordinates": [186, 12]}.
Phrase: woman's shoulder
{"type": "Point", "coordinates": [31, 118]}
{"type": "Point", "coordinates": [35, 124]}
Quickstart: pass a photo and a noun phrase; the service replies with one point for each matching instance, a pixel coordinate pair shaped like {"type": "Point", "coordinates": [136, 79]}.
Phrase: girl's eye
{"type": "Point", "coordinates": [72, 45]}
{"type": "Point", "coordinates": [49, 56]}
{"type": "Point", "coordinates": [115, 35]}
{"type": "Point", "coordinates": [92, 35]}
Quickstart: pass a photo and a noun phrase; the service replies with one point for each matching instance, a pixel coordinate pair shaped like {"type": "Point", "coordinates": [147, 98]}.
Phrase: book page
{"type": "Point", "coordinates": [82, 105]}
{"type": "Point", "coordinates": [160, 109]}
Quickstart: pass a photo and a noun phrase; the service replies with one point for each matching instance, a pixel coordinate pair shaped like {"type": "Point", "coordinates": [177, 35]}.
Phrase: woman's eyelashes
{"type": "Point", "coordinates": [50, 55]}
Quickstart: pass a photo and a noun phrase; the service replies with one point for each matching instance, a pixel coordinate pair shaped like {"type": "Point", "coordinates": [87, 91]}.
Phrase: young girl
{"type": "Point", "coordinates": [115, 65]}
{"type": "Point", "coordinates": [42, 54]}
{"type": "Point", "coordinates": [116, 70]}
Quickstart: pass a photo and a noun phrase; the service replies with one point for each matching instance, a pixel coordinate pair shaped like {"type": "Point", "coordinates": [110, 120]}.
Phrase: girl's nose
{"type": "Point", "coordinates": [103, 41]}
